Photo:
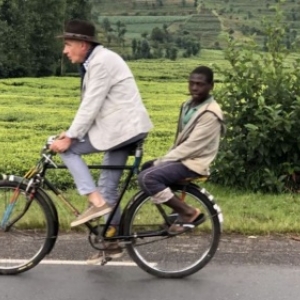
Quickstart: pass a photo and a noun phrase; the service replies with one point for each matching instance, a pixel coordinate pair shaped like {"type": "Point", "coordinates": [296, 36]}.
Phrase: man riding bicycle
{"type": "Point", "coordinates": [111, 117]}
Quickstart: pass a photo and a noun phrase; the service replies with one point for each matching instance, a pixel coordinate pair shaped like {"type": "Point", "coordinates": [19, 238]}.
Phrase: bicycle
{"type": "Point", "coordinates": [30, 222]}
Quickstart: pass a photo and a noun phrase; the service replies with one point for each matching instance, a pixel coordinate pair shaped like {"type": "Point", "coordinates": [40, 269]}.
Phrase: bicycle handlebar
{"type": "Point", "coordinates": [47, 154]}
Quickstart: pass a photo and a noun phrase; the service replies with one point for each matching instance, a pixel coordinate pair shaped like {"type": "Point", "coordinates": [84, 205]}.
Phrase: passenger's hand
{"type": "Point", "coordinates": [61, 145]}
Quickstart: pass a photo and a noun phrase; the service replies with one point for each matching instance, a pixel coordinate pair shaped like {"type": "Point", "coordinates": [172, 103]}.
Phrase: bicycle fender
{"type": "Point", "coordinates": [212, 199]}
{"type": "Point", "coordinates": [126, 208]}
{"type": "Point", "coordinates": [208, 195]}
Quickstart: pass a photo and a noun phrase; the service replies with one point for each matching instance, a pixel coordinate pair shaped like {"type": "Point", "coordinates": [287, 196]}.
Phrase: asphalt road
{"type": "Point", "coordinates": [215, 282]}
{"type": "Point", "coordinates": [243, 268]}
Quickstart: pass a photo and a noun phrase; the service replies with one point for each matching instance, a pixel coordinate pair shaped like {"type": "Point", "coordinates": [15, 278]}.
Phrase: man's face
{"type": "Point", "coordinates": [75, 51]}
{"type": "Point", "coordinates": [199, 88]}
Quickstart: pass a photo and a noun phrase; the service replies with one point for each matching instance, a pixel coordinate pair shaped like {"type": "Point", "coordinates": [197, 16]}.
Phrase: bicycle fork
{"type": "Point", "coordinates": [5, 224]}
{"type": "Point", "coordinates": [9, 209]}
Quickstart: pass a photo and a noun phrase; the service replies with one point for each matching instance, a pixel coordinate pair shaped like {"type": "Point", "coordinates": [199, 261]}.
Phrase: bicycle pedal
{"type": "Point", "coordinates": [96, 240]}
{"type": "Point", "coordinates": [105, 260]}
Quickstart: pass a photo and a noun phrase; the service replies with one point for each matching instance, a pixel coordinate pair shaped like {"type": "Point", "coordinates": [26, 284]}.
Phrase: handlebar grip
{"type": "Point", "coordinates": [50, 140]}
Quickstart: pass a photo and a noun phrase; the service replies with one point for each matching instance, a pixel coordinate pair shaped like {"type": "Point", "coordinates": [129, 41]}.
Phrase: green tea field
{"type": "Point", "coordinates": [34, 108]}
{"type": "Point", "coordinates": [31, 109]}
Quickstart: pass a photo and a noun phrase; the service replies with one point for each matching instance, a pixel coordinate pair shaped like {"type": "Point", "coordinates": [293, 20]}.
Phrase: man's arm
{"type": "Point", "coordinates": [206, 131]}
{"type": "Point", "coordinates": [97, 88]}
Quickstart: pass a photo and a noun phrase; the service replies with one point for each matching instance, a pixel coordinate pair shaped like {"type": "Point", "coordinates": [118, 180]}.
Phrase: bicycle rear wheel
{"type": "Point", "coordinates": [172, 256]}
{"type": "Point", "coordinates": [32, 233]}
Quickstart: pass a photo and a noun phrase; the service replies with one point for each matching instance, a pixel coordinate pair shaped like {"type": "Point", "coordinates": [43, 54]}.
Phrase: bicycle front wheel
{"type": "Point", "coordinates": [27, 232]}
{"type": "Point", "coordinates": [170, 256]}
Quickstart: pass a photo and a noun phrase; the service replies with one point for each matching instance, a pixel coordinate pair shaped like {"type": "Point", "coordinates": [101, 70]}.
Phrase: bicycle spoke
{"type": "Point", "coordinates": [25, 239]}
{"type": "Point", "coordinates": [178, 254]}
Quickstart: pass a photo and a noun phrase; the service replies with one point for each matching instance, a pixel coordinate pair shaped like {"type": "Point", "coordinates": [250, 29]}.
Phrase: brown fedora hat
{"type": "Point", "coordinates": [80, 30]}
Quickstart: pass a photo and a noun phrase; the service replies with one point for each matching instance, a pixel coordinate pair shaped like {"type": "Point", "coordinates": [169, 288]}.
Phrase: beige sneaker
{"type": "Point", "coordinates": [92, 212]}
{"type": "Point", "coordinates": [112, 250]}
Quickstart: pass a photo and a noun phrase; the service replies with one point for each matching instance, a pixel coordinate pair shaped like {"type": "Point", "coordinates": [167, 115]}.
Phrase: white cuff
{"type": "Point", "coordinates": [69, 135]}
{"type": "Point", "coordinates": [162, 196]}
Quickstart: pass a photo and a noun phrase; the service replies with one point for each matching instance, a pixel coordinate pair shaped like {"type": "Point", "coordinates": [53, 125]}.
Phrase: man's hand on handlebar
{"type": "Point", "coordinates": [61, 144]}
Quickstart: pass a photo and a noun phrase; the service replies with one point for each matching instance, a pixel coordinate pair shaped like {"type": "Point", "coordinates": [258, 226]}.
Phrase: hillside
{"type": "Point", "coordinates": [206, 20]}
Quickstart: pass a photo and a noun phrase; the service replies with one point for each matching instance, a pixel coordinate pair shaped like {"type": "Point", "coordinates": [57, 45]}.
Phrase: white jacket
{"type": "Point", "coordinates": [111, 109]}
{"type": "Point", "coordinates": [197, 144]}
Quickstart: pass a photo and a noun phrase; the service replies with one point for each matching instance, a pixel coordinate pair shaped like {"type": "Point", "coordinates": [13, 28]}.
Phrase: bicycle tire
{"type": "Point", "coordinates": [213, 216]}
{"type": "Point", "coordinates": [22, 228]}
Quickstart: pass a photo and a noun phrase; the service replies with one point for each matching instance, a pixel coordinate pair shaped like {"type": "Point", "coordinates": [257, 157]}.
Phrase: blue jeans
{"type": "Point", "coordinates": [155, 180]}
{"type": "Point", "coordinates": [109, 179]}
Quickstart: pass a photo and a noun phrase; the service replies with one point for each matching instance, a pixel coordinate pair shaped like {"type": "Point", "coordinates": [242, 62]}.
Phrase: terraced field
{"type": "Point", "coordinates": [207, 20]}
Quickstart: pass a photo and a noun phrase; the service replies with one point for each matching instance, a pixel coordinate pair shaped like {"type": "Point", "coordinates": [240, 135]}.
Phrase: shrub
{"type": "Point", "coordinates": [261, 100]}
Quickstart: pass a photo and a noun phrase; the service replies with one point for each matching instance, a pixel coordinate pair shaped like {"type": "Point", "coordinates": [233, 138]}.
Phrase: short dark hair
{"type": "Point", "coordinates": [206, 71]}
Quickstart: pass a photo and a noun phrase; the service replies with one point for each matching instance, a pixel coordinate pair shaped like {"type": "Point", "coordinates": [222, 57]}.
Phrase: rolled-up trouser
{"type": "Point", "coordinates": [155, 181]}
{"type": "Point", "coordinates": [109, 179]}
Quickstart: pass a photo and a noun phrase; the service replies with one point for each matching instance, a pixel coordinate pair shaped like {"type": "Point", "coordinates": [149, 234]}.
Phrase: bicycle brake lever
{"type": "Point", "coordinates": [49, 160]}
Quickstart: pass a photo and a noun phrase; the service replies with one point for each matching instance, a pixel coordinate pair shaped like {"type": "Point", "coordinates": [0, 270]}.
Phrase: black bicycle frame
{"type": "Point", "coordinates": [132, 169]}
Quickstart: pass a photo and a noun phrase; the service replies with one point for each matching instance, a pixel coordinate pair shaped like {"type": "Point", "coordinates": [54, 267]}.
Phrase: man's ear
{"type": "Point", "coordinates": [85, 45]}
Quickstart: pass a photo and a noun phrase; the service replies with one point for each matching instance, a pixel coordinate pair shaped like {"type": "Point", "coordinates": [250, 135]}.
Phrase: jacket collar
{"type": "Point", "coordinates": [88, 58]}
{"type": "Point", "coordinates": [194, 117]}
{"type": "Point", "coordinates": [84, 66]}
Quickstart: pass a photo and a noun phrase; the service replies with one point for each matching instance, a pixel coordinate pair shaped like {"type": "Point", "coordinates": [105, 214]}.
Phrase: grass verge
{"type": "Point", "coordinates": [244, 212]}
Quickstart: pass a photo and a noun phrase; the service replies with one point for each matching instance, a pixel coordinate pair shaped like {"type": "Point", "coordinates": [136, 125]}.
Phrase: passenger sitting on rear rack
{"type": "Point", "coordinates": [198, 135]}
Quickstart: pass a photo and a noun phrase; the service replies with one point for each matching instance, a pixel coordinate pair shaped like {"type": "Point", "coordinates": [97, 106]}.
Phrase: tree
{"type": "Point", "coordinates": [28, 31]}
{"type": "Point", "coordinates": [144, 35]}
{"type": "Point", "coordinates": [167, 36]}
{"type": "Point", "coordinates": [134, 47]}
{"type": "Point", "coordinates": [14, 30]}
{"type": "Point", "coordinates": [78, 9]}
{"type": "Point", "coordinates": [191, 46]}
{"type": "Point", "coordinates": [107, 30]}
{"type": "Point", "coordinates": [173, 53]}
{"type": "Point", "coordinates": [157, 50]}
{"type": "Point", "coordinates": [195, 48]}
{"type": "Point", "coordinates": [106, 25]}
{"type": "Point", "coordinates": [138, 49]}
{"type": "Point", "coordinates": [45, 49]}
{"type": "Point", "coordinates": [157, 35]}
{"type": "Point", "coordinates": [121, 30]}
{"type": "Point", "coordinates": [145, 49]}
